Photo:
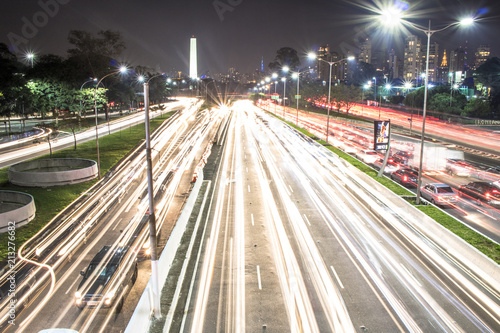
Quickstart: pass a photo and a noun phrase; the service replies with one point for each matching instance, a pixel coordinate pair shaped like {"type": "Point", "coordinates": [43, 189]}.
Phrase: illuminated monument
{"type": "Point", "coordinates": [193, 67]}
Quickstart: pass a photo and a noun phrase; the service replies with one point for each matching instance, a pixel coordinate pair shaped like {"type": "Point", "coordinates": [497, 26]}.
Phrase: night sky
{"type": "Point", "coordinates": [235, 34]}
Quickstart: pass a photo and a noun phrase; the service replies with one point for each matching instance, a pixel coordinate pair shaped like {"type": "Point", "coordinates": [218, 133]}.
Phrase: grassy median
{"type": "Point", "coordinates": [50, 201]}
{"type": "Point", "coordinates": [481, 243]}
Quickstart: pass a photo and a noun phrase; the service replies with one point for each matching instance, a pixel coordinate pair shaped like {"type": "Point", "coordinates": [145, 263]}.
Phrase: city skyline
{"type": "Point", "coordinates": [237, 35]}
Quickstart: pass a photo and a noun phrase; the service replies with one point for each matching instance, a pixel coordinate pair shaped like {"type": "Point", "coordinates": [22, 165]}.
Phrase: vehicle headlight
{"type": "Point", "coordinates": [109, 297]}
{"type": "Point", "coordinates": [78, 294]}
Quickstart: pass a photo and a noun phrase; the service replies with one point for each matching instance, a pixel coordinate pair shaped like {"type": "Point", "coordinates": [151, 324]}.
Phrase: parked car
{"type": "Point", "coordinates": [439, 194]}
{"type": "Point", "coordinates": [390, 167]}
{"type": "Point", "coordinates": [406, 177]}
{"type": "Point", "coordinates": [368, 156]}
{"type": "Point", "coordinates": [107, 275]}
{"type": "Point", "coordinates": [483, 191]}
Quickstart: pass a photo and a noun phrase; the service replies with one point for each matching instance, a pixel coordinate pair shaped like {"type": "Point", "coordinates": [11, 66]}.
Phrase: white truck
{"type": "Point", "coordinates": [435, 158]}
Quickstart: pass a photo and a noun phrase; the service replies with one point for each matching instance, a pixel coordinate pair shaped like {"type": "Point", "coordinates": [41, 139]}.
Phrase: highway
{"type": "Point", "coordinates": [479, 216]}
{"type": "Point", "coordinates": [288, 247]}
{"type": "Point", "coordinates": [112, 213]}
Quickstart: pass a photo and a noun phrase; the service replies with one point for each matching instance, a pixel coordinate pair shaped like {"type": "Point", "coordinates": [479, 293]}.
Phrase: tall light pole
{"type": "Point", "coordinates": [283, 79]}
{"type": "Point", "coordinates": [296, 75]}
{"type": "Point", "coordinates": [122, 69]}
{"type": "Point", "coordinates": [394, 17]}
{"type": "Point", "coordinates": [331, 63]}
{"type": "Point", "coordinates": [81, 89]}
{"type": "Point", "coordinates": [152, 218]}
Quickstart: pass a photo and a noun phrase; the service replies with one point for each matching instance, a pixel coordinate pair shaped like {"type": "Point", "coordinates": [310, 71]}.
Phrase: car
{"type": "Point", "coordinates": [390, 166]}
{"type": "Point", "coordinates": [487, 174]}
{"type": "Point", "coordinates": [368, 156]}
{"type": "Point", "coordinates": [401, 157]}
{"type": "Point", "coordinates": [458, 168]}
{"type": "Point", "coordinates": [439, 194]}
{"type": "Point", "coordinates": [482, 191]}
{"type": "Point", "coordinates": [108, 274]}
{"type": "Point", "coordinates": [406, 177]}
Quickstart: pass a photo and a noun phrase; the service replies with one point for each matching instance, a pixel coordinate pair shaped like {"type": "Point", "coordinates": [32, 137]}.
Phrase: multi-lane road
{"type": "Point", "coordinates": [112, 213]}
{"type": "Point", "coordinates": [288, 248]}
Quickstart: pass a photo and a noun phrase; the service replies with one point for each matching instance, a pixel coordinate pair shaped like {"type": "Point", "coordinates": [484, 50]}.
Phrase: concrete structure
{"type": "Point", "coordinates": [433, 61]}
{"type": "Point", "coordinates": [193, 60]}
{"type": "Point", "coordinates": [365, 54]}
{"type": "Point", "coordinates": [52, 172]}
{"type": "Point", "coordinates": [16, 209]}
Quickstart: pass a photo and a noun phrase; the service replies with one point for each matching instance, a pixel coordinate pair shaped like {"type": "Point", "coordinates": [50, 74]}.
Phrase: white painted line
{"type": "Point", "coordinates": [248, 188]}
{"type": "Point", "coordinates": [251, 215]}
{"type": "Point", "coordinates": [117, 222]}
{"type": "Point", "coordinates": [337, 277]}
{"type": "Point", "coordinates": [72, 286]}
{"type": "Point", "coordinates": [258, 277]}
{"type": "Point", "coordinates": [307, 220]}
{"type": "Point", "coordinates": [290, 188]}
{"type": "Point", "coordinates": [486, 214]}
{"type": "Point", "coordinates": [247, 169]}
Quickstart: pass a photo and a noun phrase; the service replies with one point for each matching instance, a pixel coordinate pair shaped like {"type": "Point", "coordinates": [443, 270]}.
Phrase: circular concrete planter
{"type": "Point", "coordinates": [16, 209]}
{"type": "Point", "coordinates": [52, 172]}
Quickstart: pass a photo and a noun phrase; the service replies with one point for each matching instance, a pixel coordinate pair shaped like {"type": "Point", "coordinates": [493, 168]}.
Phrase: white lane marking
{"type": "Point", "coordinates": [337, 277]}
{"type": "Point", "coordinates": [291, 189]}
{"type": "Point", "coordinates": [258, 277]}
{"type": "Point", "coordinates": [117, 223]}
{"type": "Point", "coordinates": [251, 215]}
{"type": "Point", "coordinates": [248, 188]}
{"type": "Point", "coordinates": [307, 220]}
{"type": "Point", "coordinates": [247, 169]}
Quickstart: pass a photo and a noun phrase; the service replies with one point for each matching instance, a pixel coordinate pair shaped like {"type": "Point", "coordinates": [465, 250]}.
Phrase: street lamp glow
{"type": "Point", "coordinates": [350, 58]}
{"type": "Point", "coordinates": [140, 78]}
{"type": "Point", "coordinates": [169, 80]}
{"type": "Point", "coordinates": [295, 75]}
{"type": "Point", "coordinates": [391, 16]}
{"type": "Point", "coordinates": [286, 69]}
{"type": "Point", "coordinates": [311, 55]}
{"type": "Point", "coordinates": [274, 75]}
{"type": "Point", "coordinates": [283, 79]}
{"type": "Point", "coordinates": [388, 86]}
{"type": "Point", "coordinates": [408, 85]}
{"type": "Point", "coordinates": [467, 21]}
{"type": "Point", "coordinates": [123, 69]}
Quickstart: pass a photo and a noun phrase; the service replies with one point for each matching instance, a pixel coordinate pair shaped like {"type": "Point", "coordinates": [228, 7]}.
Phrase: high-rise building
{"type": "Point", "coordinates": [457, 60]}
{"type": "Point", "coordinates": [393, 65]}
{"type": "Point", "coordinates": [323, 67]}
{"type": "Point", "coordinates": [482, 54]}
{"type": "Point", "coordinates": [365, 54]}
{"type": "Point", "coordinates": [412, 61]}
{"type": "Point", "coordinates": [193, 62]}
{"type": "Point", "coordinates": [443, 72]}
{"type": "Point", "coordinates": [433, 61]}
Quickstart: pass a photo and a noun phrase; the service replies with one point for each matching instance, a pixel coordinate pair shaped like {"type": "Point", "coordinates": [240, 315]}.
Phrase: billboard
{"type": "Point", "coordinates": [382, 134]}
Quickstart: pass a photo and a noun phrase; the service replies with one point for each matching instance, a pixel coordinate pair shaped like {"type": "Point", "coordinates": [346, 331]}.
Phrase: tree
{"type": "Point", "coordinates": [95, 54]}
{"type": "Point", "coordinates": [346, 96]}
{"type": "Point", "coordinates": [286, 56]}
{"type": "Point", "coordinates": [477, 107]}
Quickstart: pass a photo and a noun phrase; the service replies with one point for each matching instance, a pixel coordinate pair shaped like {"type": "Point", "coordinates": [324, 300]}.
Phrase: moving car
{"type": "Point", "coordinates": [483, 191]}
{"type": "Point", "coordinates": [458, 168]}
{"type": "Point", "coordinates": [401, 157]}
{"type": "Point", "coordinates": [368, 156]}
{"type": "Point", "coordinates": [108, 274]}
{"type": "Point", "coordinates": [390, 167]}
{"type": "Point", "coordinates": [406, 177]}
{"type": "Point", "coordinates": [439, 194]}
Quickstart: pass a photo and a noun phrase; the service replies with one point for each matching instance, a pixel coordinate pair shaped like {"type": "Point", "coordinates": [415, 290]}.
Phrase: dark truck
{"type": "Point", "coordinates": [106, 278]}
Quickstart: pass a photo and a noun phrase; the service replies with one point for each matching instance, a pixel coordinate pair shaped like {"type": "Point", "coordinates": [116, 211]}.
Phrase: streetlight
{"type": "Point", "coordinates": [81, 89]}
{"type": "Point", "coordinates": [152, 218]}
{"type": "Point", "coordinates": [397, 16]}
{"type": "Point", "coordinates": [283, 79]}
{"type": "Point", "coordinates": [331, 63]}
{"type": "Point", "coordinates": [122, 70]}
{"type": "Point", "coordinates": [30, 56]}
{"type": "Point", "coordinates": [296, 75]}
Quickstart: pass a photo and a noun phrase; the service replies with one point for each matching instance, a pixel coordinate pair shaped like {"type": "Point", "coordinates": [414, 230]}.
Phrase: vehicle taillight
{"type": "Point", "coordinates": [488, 195]}
{"type": "Point", "coordinates": [405, 178]}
